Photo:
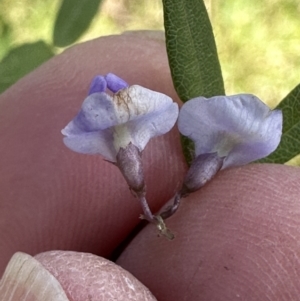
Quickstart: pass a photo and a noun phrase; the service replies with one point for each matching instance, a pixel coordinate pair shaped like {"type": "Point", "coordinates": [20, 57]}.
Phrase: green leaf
{"type": "Point", "coordinates": [73, 18]}
{"type": "Point", "coordinates": [289, 146]}
{"type": "Point", "coordinates": [21, 60]}
{"type": "Point", "coordinates": [191, 48]}
{"type": "Point", "coordinates": [192, 54]}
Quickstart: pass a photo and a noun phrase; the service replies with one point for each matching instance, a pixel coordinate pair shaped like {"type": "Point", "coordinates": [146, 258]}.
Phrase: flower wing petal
{"type": "Point", "coordinates": [97, 113]}
{"type": "Point", "coordinates": [100, 142]}
{"type": "Point", "coordinates": [255, 148]}
{"type": "Point", "coordinates": [154, 124]}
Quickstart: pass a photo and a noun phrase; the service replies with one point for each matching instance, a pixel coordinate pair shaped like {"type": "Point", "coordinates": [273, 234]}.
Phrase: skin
{"type": "Point", "coordinates": [236, 239]}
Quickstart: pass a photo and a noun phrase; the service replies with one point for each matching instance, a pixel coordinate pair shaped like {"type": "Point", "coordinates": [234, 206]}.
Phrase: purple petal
{"type": "Point", "coordinates": [136, 101]}
{"type": "Point", "coordinates": [100, 142]}
{"type": "Point", "coordinates": [98, 85]}
{"type": "Point", "coordinates": [240, 127]}
{"type": "Point", "coordinates": [254, 149]}
{"type": "Point", "coordinates": [152, 125]}
{"type": "Point", "coordinates": [115, 83]}
{"type": "Point", "coordinates": [146, 112]}
{"type": "Point", "coordinates": [97, 113]}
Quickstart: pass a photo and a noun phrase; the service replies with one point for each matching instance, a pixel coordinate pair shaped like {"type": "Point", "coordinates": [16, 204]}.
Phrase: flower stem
{"type": "Point", "coordinates": [170, 210]}
{"type": "Point", "coordinates": [157, 220]}
{"type": "Point", "coordinates": [147, 212]}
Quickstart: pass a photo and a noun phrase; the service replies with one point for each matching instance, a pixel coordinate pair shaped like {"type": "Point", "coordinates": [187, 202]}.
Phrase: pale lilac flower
{"type": "Point", "coordinates": [227, 131]}
{"type": "Point", "coordinates": [107, 123]}
{"type": "Point", "coordinates": [240, 128]}
{"type": "Point", "coordinates": [119, 126]}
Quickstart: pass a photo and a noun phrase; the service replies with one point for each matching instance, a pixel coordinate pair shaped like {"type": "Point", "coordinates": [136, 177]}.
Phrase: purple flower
{"type": "Point", "coordinates": [227, 131]}
{"type": "Point", "coordinates": [238, 128]}
{"type": "Point", "coordinates": [119, 126]}
{"type": "Point", "coordinates": [106, 123]}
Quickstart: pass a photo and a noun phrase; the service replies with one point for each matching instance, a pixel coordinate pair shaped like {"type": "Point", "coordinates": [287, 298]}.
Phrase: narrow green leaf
{"type": "Point", "coordinates": [289, 146]}
{"type": "Point", "coordinates": [21, 60]}
{"type": "Point", "coordinates": [73, 18]}
{"type": "Point", "coordinates": [191, 48]}
{"type": "Point", "coordinates": [192, 54]}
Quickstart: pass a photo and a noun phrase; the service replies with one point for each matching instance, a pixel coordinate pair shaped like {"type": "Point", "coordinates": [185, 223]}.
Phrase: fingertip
{"type": "Point", "coordinates": [235, 238]}
{"type": "Point", "coordinates": [85, 276]}
{"type": "Point", "coordinates": [69, 276]}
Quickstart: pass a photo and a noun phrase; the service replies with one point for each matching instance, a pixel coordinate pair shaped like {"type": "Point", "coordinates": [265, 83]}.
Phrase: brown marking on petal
{"type": "Point", "coordinates": [123, 100]}
{"type": "Point", "coordinates": [122, 97]}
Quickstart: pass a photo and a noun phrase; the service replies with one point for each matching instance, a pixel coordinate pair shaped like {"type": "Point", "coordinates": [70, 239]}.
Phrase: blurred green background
{"type": "Point", "coordinates": [258, 40]}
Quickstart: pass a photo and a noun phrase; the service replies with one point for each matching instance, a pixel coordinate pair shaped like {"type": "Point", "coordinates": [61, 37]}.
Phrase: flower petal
{"type": "Point", "coordinates": [97, 113]}
{"type": "Point", "coordinates": [115, 83]}
{"type": "Point", "coordinates": [240, 127]}
{"type": "Point", "coordinates": [136, 101]}
{"type": "Point", "coordinates": [98, 85]}
{"type": "Point", "coordinates": [100, 142]}
{"type": "Point", "coordinates": [254, 149]}
{"type": "Point", "coordinates": [145, 113]}
{"type": "Point", "coordinates": [154, 124]}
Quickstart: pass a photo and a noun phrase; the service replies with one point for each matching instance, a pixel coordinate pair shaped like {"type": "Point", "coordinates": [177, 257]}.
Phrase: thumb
{"type": "Point", "coordinates": [69, 276]}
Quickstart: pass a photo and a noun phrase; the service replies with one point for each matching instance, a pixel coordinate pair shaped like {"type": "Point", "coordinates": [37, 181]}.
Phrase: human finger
{"type": "Point", "coordinates": [69, 276]}
{"type": "Point", "coordinates": [236, 239]}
